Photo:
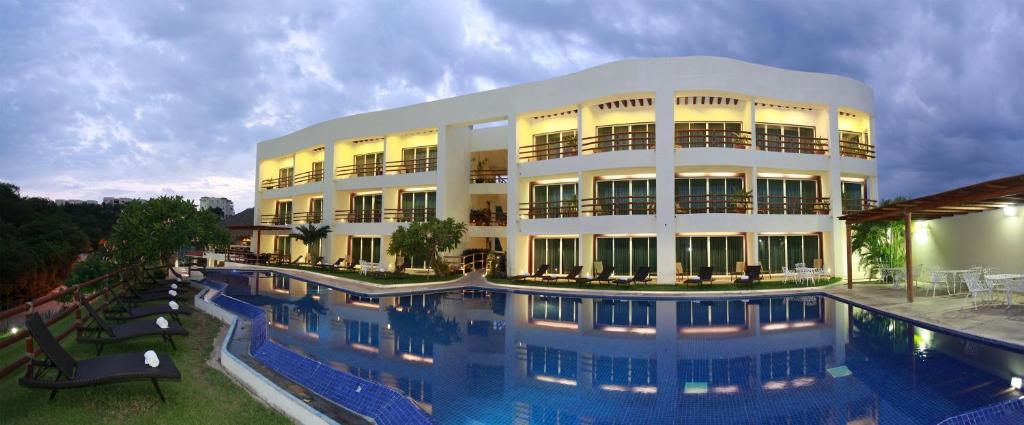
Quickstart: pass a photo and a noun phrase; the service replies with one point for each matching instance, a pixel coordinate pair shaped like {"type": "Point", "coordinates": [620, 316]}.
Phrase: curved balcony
{"type": "Point", "coordinates": [554, 209]}
{"type": "Point", "coordinates": [359, 170]}
{"type": "Point", "coordinates": [792, 144]}
{"type": "Point", "coordinates": [712, 139]}
{"type": "Point", "coordinates": [301, 178]}
{"type": "Point", "coordinates": [359, 216]}
{"type": "Point", "coordinates": [713, 204]}
{"type": "Point", "coordinates": [548, 150]}
{"type": "Point", "coordinates": [619, 205]}
{"type": "Point", "coordinates": [622, 141]}
{"type": "Point", "coordinates": [800, 205]}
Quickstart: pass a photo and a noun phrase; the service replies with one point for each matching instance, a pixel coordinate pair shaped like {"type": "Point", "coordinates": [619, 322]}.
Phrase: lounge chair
{"type": "Point", "coordinates": [642, 275]}
{"type": "Point", "coordinates": [295, 261]}
{"type": "Point", "coordinates": [569, 277]}
{"type": "Point", "coordinates": [350, 264]}
{"type": "Point", "coordinates": [336, 265]}
{"type": "Point", "coordinates": [317, 261]}
{"type": "Point", "coordinates": [753, 274]}
{"type": "Point", "coordinates": [704, 274]}
{"type": "Point", "coordinates": [123, 312]}
{"type": "Point", "coordinates": [104, 333]}
{"type": "Point", "coordinates": [159, 294]}
{"type": "Point", "coordinates": [539, 274]}
{"type": "Point", "coordinates": [107, 369]}
{"type": "Point", "coordinates": [604, 276]}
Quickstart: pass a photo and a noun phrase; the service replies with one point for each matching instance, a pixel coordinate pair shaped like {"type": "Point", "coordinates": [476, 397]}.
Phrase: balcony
{"type": "Point", "coordinates": [409, 166]}
{"type": "Point", "coordinates": [301, 178]}
{"type": "Point", "coordinates": [359, 216]}
{"type": "Point", "coordinates": [276, 220]}
{"type": "Point", "coordinates": [308, 217]}
{"type": "Point", "coordinates": [622, 141]}
{"type": "Point", "coordinates": [548, 150]}
{"type": "Point", "coordinates": [713, 204]}
{"type": "Point", "coordinates": [712, 139]}
{"type": "Point", "coordinates": [792, 205]}
{"type": "Point", "coordinates": [619, 205]}
{"type": "Point", "coordinates": [488, 176]}
{"type": "Point", "coordinates": [360, 170]}
{"type": "Point", "coordinates": [854, 205]}
{"type": "Point", "coordinates": [792, 144]}
{"type": "Point", "coordinates": [553, 209]}
{"type": "Point", "coordinates": [484, 217]}
{"type": "Point", "coordinates": [856, 150]}
{"type": "Point", "coordinates": [409, 215]}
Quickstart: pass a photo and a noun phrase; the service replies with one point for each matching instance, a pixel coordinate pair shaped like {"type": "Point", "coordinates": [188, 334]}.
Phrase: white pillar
{"type": "Point", "coordinates": [753, 256]}
{"type": "Point", "coordinates": [838, 238]}
{"type": "Point", "coordinates": [664, 116]}
{"type": "Point", "coordinates": [512, 242]}
{"type": "Point", "coordinates": [326, 249]}
{"type": "Point", "coordinates": [753, 123]}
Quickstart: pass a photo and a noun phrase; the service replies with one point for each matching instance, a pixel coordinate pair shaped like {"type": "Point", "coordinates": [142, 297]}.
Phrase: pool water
{"type": "Point", "coordinates": [481, 357]}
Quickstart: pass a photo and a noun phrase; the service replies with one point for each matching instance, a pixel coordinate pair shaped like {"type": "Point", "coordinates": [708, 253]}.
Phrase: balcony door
{"type": "Point", "coordinates": [553, 200]}
{"type": "Point", "coordinates": [625, 137]}
{"type": "Point", "coordinates": [787, 196]}
{"type": "Point", "coordinates": [420, 159]}
{"type": "Point", "coordinates": [365, 249]}
{"type": "Point", "coordinates": [721, 253]}
{"type": "Point", "coordinates": [786, 138]}
{"type": "Point", "coordinates": [283, 247]}
{"type": "Point", "coordinates": [853, 196]}
{"type": "Point", "coordinates": [625, 197]}
{"type": "Point", "coordinates": [370, 164]}
{"type": "Point", "coordinates": [285, 176]}
{"type": "Point", "coordinates": [627, 255]}
{"type": "Point", "coordinates": [317, 172]}
{"type": "Point", "coordinates": [709, 195]}
{"type": "Point", "coordinates": [418, 206]}
{"type": "Point", "coordinates": [316, 210]}
{"type": "Point", "coordinates": [366, 208]}
{"type": "Point", "coordinates": [708, 134]}
{"type": "Point", "coordinates": [283, 213]}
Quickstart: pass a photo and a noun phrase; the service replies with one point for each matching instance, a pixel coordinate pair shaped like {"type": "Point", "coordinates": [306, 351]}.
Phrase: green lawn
{"type": "Point", "coordinates": [204, 395]}
{"type": "Point", "coordinates": [354, 275]}
{"type": "Point", "coordinates": [775, 284]}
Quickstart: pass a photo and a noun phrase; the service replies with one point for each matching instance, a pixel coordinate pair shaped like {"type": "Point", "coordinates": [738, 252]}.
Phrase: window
{"type": "Point", "coordinates": [788, 138]}
{"type": "Point", "coordinates": [784, 365]}
{"type": "Point", "coordinates": [283, 213]}
{"type": "Point", "coordinates": [366, 208]}
{"type": "Point", "coordinates": [279, 314]}
{"type": "Point", "coordinates": [553, 145]}
{"type": "Point", "coordinates": [417, 206]}
{"type": "Point", "coordinates": [283, 247]}
{"type": "Point", "coordinates": [853, 196]}
{"type": "Point", "coordinates": [416, 389]}
{"type": "Point", "coordinates": [624, 137]}
{"type": "Point", "coordinates": [316, 210]}
{"type": "Point", "coordinates": [797, 309]}
{"type": "Point", "coordinates": [316, 173]}
{"type": "Point", "coordinates": [312, 323]}
{"type": "Point", "coordinates": [419, 159]}
{"type": "Point", "coordinates": [721, 253]}
{"type": "Point", "coordinates": [711, 313]}
{"type": "Point", "coordinates": [627, 255]}
{"type": "Point", "coordinates": [370, 164]}
{"type": "Point", "coordinates": [559, 254]}
{"type": "Point", "coordinates": [853, 138]}
{"type": "Point", "coordinates": [364, 333]}
{"type": "Point", "coordinates": [788, 196]}
{"type": "Point", "coordinates": [420, 301]}
{"type": "Point", "coordinates": [710, 195]}
{"type": "Point", "coordinates": [624, 313]}
{"type": "Point", "coordinates": [553, 201]}
{"type": "Point", "coordinates": [777, 252]}
{"type": "Point", "coordinates": [559, 309]}
{"type": "Point", "coordinates": [625, 197]}
{"type": "Point", "coordinates": [365, 249]}
{"type": "Point", "coordinates": [285, 177]}
{"type": "Point", "coordinates": [709, 135]}
{"type": "Point", "coordinates": [282, 283]}
{"type": "Point", "coordinates": [353, 298]}
{"type": "Point", "coordinates": [625, 371]}
{"type": "Point", "coordinates": [550, 362]}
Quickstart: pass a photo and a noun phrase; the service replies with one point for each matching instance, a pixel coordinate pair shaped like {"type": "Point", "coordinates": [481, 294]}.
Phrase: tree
{"type": "Point", "coordinates": [216, 210]}
{"type": "Point", "coordinates": [428, 240]}
{"type": "Point", "coordinates": [310, 235]}
{"type": "Point", "coordinates": [879, 243]}
{"type": "Point", "coordinates": [155, 230]}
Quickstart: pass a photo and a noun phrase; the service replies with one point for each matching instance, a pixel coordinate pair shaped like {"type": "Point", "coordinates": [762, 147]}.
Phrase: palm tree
{"type": "Point", "coordinates": [879, 243]}
{"type": "Point", "coordinates": [311, 235]}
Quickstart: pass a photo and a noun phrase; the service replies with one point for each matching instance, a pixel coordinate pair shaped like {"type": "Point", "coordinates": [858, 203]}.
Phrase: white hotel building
{"type": "Point", "coordinates": [652, 162]}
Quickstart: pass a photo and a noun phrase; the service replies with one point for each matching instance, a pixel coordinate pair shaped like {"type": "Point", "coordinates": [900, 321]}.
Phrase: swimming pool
{"type": "Point", "coordinates": [475, 356]}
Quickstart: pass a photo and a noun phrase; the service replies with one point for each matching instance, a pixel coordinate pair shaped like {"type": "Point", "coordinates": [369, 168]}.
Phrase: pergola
{"type": "Point", "coordinates": [999, 193]}
{"type": "Point", "coordinates": [258, 229]}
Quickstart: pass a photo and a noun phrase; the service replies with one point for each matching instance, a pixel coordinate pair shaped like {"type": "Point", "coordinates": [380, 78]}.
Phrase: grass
{"type": "Point", "coordinates": [354, 275]}
{"type": "Point", "coordinates": [204, 394]}
{"type": "Point", "coordinates": [775, 284]}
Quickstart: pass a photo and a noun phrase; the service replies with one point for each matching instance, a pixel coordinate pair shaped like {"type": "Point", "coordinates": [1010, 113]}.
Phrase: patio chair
{"type": "Point", "coordinates": [104, 333]}
{"type": "Point", "coordinates": [753, 274]}
{"type": "Point", "coordinates": [704, 274]}
{"type": "Point", "coordinates": [539, 274]}
{"type": "Point", "coordinates": [295, 261]}
{"type": "Point", "coordinates": [123, 312]}
{"type": "Point", "coordinates": [740, 268]}
{"type": "Point", "coordinates": [350, 264]}
{"type": "Point", "coordinates": [604, 276]}
{"type": "Point", "coordinates": [107, 369]}
{"type": "Point", "coordinates": [787, 275]}
{"type": "Point", "coordinates": [569, 277]}
{"type": "Point", "coordinates": [679, 271]}
{"type": "Point", "coordinates": [936, 279]}
{"type": "Point", "coordinates": [336, 264]}
{"type": "Point", "coordinates": [642, 275]}
{"type": "Point", "coordinates": [976, 287]}
{"type": "Point", "coordinates": [317, 261]}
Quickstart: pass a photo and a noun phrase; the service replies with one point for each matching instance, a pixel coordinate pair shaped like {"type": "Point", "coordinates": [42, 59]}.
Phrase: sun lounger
{"type": "Point", "coordinates": [604, 276]}
{"type": "Point", "coordinates": [703, 275]}
{"type": "Point", "coordinates": [105, 333]}
{"type": "Point", "coordinates": [539, 274]}
{"type": "Point", "coordinates": [569, 277]}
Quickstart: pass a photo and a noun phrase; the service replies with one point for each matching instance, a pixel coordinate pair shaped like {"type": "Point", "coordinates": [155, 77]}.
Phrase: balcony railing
{"type": "Point", "coordinates": [361, 170]}
{"type": "Point", "coordinates": [409, 215]}
{"type": "Point", "coordinates": [307, 217]}
{"type": "Point", "coordinates": [713, 204]}
{"type": "Point", "coordinates": [619, 205]}
{"type": "Point", "coordinates": [854, 205]}
{"type": "Point", "coordinates": [407, 166]}
{"type": "Point", "coordinates": [627, 140]}
{"type": "Point", "coordinates": [309, 177]}
{"type": "Point", "coordinates": [792, 205]}
{"type": "Point", "coordinates": [276, 220]}
{"type": "Point", "coordinates": [792, 144]}
{"type": "Point", "coordinates": [483, 217]}
{"type": "Point", "coordinates": [554, 209]}
{"type": "Point", "coordinates": [856, 150]}
{"type": "Point", "coordinates": [548, 150]}
{"type": "Point", "coordinates": [278, 183]}
{"type": "Point", "coordinates": [712, 139]}
{"type": "Point", "coordinates": [359, 216]}
{"type": "Point", "coordinates": [301, 178]}
{"type": "Point", "coordinates": [488, 176]}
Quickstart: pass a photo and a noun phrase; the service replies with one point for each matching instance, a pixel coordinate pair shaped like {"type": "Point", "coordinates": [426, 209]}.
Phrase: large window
{"type": "Point", "coordinates": [625, 371]}
{"type": "Point", "coordinates": [279, 314]}
{"type": "Point", "coordinates": [709, 135]}
{"type": "Point", "coordinates": [365, 249]}
{"type": "Point", "coordinates": [366, 208]}
{"type": "Point", "coordinates": [625, 197]}
{"type": "Point", "coordinates": [721, 253]}
{"type": "Point", "coordinates": [788, 196]}
{"type": "Point", "coordinates": [554, 145]}
{"type": "Point", "coordinates": [551, 362]}
{"type": "Point", "coordinates": [419, 159]}
{"type": "Point", "coordinates": [553, 201]}
{"type": "Point", "coordinates": [416, 389]}
{"type": "Point", "coordinates": [550, 308]}
{"type": "Point", "coordinates": [364, 333]}
{"type": "Point", "coordinates": [316, 210]}
{"type": "Point", "coordinates": [285, 177]}
{"type": "Point", "coordinates": [560, 254]}
{"type": "Point", "coordinates": [283, 247]}
{"type": "Point", "coordinates": [609, 312]}
{"type": "Point", "coordinates": [627, 255]}
{"type": "Point", "coordinates": [282, 213]}
{"type": "Point", "coordinates": [776, 252]}
{"type": "Point", "coordinates": [370, 164]}
{"type": "Point", "coordinates": [710, 195]}
{"type": "Point", "coordinates": [418, 206]}
{"type": "Point", "coordinates": [711, 313]}
{"type": "Point", "coordinates": [853, 196]}
{"type": "Point", "coordinates": [788, 138]}
{"type": "Point", "coordinates": [624, 137]}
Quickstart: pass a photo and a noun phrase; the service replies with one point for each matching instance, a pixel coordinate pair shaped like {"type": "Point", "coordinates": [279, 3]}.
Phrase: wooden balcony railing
{"type": "Point", "coordinates": [301, 178]}
{"type": "Point", "coordinates": [856, 150]}
{"type": "Point", "coordinates": [713, 204]}
{"type": "Point", "coordinates": [792, 205]}
{"type": "Point", "coordinates": [276, 220]}
{"type": "Point", "coordinates": [854, 205]}
{"type": "Point", "coordinates": [409, 215]}
{"type": "Point", "coordinates": [307, 217]}
{"type": "Point", "coordinates": [488, 176]}
{"type": "Point", "coordinates": [276, 183]}
{"type": "Point", "coordinates": [792, 144]}
{"type": "Point", "coordinates": [712, 139]}
{"type": "Point", "coordinates": [407, 166]}
{"type": "Point", "coordinates": [619, 205]}
{"type": "Point", "coordinates": [624, 141]}
{"type": "Point", "coordinates": [309, 177]}
{"type": "Point", "coordinates": [483, 217]}
{"type": "Point", "coordinates": [359, 216]}
{"type": "Point", "coordinates": [549, 150]}
{"type": "Point", "coordinates": [362, 170]}
{"type": "Point", "coordinates": [555, 209]}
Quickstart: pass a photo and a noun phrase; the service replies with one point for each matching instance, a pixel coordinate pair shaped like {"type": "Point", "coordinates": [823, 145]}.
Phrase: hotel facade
{"type": "Point", "coordinates": [671, 163]}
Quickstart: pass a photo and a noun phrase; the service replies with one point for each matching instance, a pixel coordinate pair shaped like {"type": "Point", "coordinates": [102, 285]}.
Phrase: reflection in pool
{"type": "Point", "coordinates": [489, 357]}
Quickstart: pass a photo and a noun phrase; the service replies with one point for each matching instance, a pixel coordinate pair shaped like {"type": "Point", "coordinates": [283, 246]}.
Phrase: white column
{"type": "Point", "coordinates": [753, 123]}
{"type": "Point", "coordinates": [664, 116]}
{"type": "Point", "coordinates": [326, 249]}
{"type": "Point", "coordinates": [512, 242]}
{"type": "Point", "coordinates": [753, 256]}
{"type": "Point", "coordinates": [838, 238]}
{"type": "Point", "coordinates": [256, 201]}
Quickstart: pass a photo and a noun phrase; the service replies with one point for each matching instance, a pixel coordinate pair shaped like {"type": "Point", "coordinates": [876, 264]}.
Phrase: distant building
{"type": "Point", "coordinates": [224, 204]}
{"type": "Point", "coordinates": [62, 202]}
{"type": "Point", "coordinates": [107, 200]}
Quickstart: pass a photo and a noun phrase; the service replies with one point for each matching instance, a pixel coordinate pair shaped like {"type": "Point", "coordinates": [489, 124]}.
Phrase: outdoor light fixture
{"type": "Point", "coordinates": [14, 330]}
{"type": "Point", "coordinates": [1010, 210]}
{"type": "Point", "coordinates": [1015, 382]}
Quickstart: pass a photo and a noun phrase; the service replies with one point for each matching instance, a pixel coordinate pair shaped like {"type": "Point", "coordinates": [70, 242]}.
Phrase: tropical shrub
{"type": "Point", "coordinates": [154, 231]}
{"type": "Point", "coordinates": [428, 239]}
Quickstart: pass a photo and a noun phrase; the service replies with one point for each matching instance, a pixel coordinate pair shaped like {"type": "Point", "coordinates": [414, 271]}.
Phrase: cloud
{"type": "Point", "coordinates": [129, 99]}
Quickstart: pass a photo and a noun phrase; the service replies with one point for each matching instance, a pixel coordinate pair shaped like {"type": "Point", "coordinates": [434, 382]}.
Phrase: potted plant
{"type": "Point", "coordinates": [739, 202]}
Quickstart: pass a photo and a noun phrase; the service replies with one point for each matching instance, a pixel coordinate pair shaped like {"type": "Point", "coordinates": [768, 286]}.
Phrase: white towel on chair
{"type": "Point", "coordinates": [178, 278]}
{"type": "Point", "coordinates": [162, 323]}
{"type": "Point", "coordinates": [172, 293]}
{"type": "Point", "coordinates": [174, 305]}
{"type": "Point", "coordinates": [174, 286]}
{"type": "Point", "coordinates": [151, 358]}
{"type": "Point", "coordinates": [744, 277]}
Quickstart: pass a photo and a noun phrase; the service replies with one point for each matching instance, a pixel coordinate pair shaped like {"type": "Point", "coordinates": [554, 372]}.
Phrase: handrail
{"type": "Point", "coordinates": [619, 205]}
{"type": "Point", "coordinates": [409, 215]}
{"type": "Point", "coordinates": [488, 176]}
{"type": "Point", "coordinates": [363, 215]}
{"type": "Point", "coordinates": [712, 139]}
{"type": "Point", "coordinates": [307, 217]}
{"type": "Point", "coordinates": [309, 177]}
{"type": "Point", "coordinates": [713, 203]}
{"type": "Point", "coordinates": [364, 170]}
{"type": "Point", "coordinates": [406, 166]}
{"type": "Point", "coordinates": [856, 149]}
{"type": "Point", "coordinates": [792, 144]}
{"type": "Point", "coordinates": [276, 183]}
{"type": "Point", "coordinates": [301, 178]}
{"type": "Point", "coordinates": [792, 205]}
{"type": "Point", "coordinates": [551, 209]}
{"type": "Point", "coordinates": [276, 220]}
{"type": "Point", "coordinates": [487, 218]}
{"type": "Point", "coordinates": [852, 205]}
{"type": "Point", "coordinates": [548, 150]}
{"type": "Point", "coordinates": [626, 140]}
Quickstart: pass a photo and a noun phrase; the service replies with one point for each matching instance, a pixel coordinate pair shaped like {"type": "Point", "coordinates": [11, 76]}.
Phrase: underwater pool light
{"type": "Point", "coordinates": [1015, 382]}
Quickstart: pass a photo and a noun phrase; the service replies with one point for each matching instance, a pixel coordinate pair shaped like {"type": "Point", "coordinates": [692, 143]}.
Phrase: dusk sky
{"type": "Point", "coordinates": [139, 98]}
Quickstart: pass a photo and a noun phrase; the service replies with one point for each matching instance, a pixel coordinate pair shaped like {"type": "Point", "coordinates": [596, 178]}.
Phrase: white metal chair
{"type": "Point", "coordinates": [935, 280]}
{"type": "Point", "coordinates": [787, 275]}
{"type": "Point", "coordinates": [977, 287]}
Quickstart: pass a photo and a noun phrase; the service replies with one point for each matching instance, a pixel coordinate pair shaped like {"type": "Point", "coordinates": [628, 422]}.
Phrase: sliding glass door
{"type": "Point", "coordinates": [787, 196]}
{"type": "Point", "coordinates": [366, 208]}
{"type": "Point", "coordinates": [365, 249]}
{"type": "Point", "coordinates": [420, 159]}
{"type": "Point", "coordinates": [627, 255]}
{"type": "Point", "coordinates": [710, 195]}
{"type": "Point", "coordinates": [776, 252]}
{"type": "Point", "coordinates": [560, 254]}
{"type": "Point", "coordinates": [625, 197]}
{"type": "Point", "coordinates": [554, 200]}
{"type": "Point", "coordinates": [721, 253]}
{"type": "Point", "coordinates": [418, 206]}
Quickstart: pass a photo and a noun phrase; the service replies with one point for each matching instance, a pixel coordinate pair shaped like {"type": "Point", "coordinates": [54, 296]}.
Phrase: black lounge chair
{"type": "Point", "coordinates": [569, 277]}
{"type": "Point", "coordinates": [539, 274]}
{"type": "Point", "coordinates": [336, 264]}
{"type": "Point", "coordinates": [160, 294]}
{"type": "Point", "coordinates": [703, 275]}
{"type": "Point", "coordinates": [604, 276]}
{"type": "Point", "coordinates": [317, 261]}
{"type": "Point", "coordinates": [753, 275]}
{"type": "Point", "coordinates": [350, 264]}
{"type": "Point", "coordinates": [123, 312]}
{"type": "Point", "coordinates": [295, 261]}
{"type": "Point", "coordinates": [107, 369]}
{"type": "Point", "coordinates": [104, 333]}
{"type": "Point", "coordinates": [642, 276]}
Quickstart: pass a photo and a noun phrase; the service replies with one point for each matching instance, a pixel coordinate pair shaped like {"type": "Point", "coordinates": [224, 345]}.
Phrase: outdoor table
{"type": "Point", "coordinates": [366, 267]}
{"type": "Point", "coordinates": [954, 274]}
{"type": "Point", "coordinates": [1003, 279]}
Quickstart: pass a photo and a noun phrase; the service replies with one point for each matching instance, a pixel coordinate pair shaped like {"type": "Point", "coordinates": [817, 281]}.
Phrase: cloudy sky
{"type": "Point", "coordinates": [140, 98]}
